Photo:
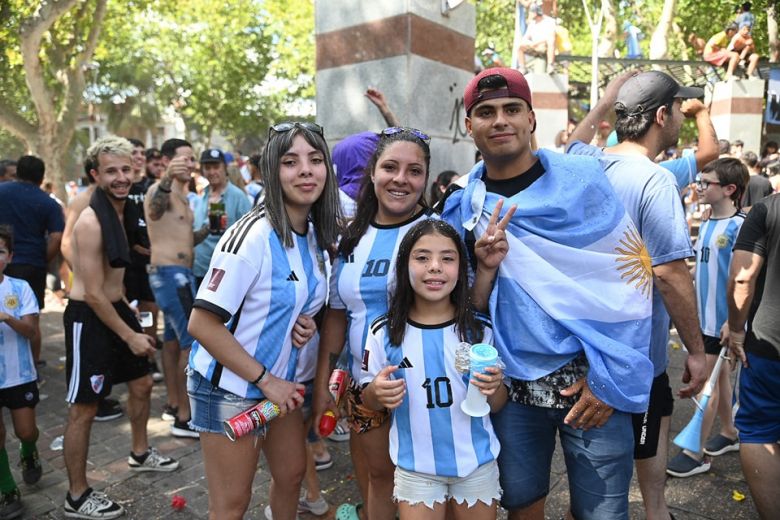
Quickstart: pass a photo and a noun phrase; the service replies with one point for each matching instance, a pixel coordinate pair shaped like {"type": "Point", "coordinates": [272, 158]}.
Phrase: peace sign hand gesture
{"type": "Point", "coordinates": [492, 247]}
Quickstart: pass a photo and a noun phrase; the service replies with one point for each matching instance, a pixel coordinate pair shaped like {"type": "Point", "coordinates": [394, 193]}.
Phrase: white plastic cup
{"type": "Point", "coordinates": [481, 357]}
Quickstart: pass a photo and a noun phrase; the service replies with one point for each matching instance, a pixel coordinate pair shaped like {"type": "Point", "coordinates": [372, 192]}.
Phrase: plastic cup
{"type": "Point", "coordinates": [481, 356]}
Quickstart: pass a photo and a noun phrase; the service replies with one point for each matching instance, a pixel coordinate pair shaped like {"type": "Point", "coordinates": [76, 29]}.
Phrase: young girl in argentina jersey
{"type": "Point", "coordinates": [266, 279]}
{"type": "Point", "coordinates": [441, 454]}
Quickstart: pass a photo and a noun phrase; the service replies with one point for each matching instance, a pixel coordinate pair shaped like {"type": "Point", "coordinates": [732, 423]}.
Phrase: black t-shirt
{"type": "Point", "coordinates": [758, 187]}
{"type": "Point", "coordinates": [760, 234]}
{"type": "Point", "coordinates": [503, 187]}
{"type": "Point", "coordinates": [136, 226]}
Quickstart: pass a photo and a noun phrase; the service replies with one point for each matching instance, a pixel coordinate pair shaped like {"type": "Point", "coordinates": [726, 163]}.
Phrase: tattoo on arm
{"type": "Point", "coordinates": [158, 203]}
{"type": "Point", "coordinates": [200, 235]}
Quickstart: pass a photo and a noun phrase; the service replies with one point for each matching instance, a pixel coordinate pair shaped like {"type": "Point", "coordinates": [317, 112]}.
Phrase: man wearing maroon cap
{"type": "Point", "coordinates": [566, 365]}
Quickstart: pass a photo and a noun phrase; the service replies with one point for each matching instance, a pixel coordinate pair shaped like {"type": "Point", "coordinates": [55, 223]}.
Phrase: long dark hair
{"type": "Point", "coordinates": [325, 213]}
{"type": "Point", "coordinates": [367, 202]}
{"type": "Point", "coordinates": [466, 324]}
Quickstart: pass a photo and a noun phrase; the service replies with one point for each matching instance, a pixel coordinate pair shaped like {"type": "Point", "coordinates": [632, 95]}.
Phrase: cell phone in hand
{"type": "Point", "coordinates": [145, 319]}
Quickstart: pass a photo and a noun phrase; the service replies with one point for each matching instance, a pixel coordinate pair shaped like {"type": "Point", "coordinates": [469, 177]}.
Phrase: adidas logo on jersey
{"type": "Point", "coordinates": [405, 363]}
{"type": "Point", "coordinates": [293, 277]}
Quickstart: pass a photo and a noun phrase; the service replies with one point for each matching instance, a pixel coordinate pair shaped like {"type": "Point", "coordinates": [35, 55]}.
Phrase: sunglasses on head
{"type": "Point", "coordinates": [289, 125]}
{"type": "Point", "coordinates": [393, 130]}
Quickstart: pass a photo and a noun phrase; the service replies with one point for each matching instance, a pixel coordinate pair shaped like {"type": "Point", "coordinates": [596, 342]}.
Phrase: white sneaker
{"type": "Point", "coordinates": [95, 505]}
{"type": "Point", "coordinates": [316, 507]}
{"type": "Point", "coordinates": [153, 462]}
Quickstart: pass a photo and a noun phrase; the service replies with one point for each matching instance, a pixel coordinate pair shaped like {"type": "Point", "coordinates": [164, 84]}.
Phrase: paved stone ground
{"type": "Point", "coordinates": [148, 496]}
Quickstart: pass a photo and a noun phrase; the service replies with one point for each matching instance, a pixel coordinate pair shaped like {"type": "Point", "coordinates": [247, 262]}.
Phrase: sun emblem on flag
{"type": "Point", "coordinates": [11, 301]}
{"type": "Point", "coordinates": [722, 241]}
{"type": "Point", "coordinates": [635, 262]}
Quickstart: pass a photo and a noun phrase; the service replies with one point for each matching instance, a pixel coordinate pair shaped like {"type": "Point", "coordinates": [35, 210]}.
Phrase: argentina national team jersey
{"type": "Point", "coordinates": [259, 288]}
{"type": "Point", "coordinates": [361, 284]}
{"type": "Point", "coordinates": [16, 361]}
{"type": "Point", "coordinates": [430, 433]}
{"type": "Point", "coordinates": [713, 255]}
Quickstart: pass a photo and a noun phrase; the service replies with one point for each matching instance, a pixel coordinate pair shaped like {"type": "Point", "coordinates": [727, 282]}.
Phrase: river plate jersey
{"type": "Point", "coordinates": [713, 256]}
{"type": "Point", "coordinates": [16, 362]}
{"type": "Point", "coordinates": [361, 283]}
{"type": "Point", "coordinates": [259, 288]}
{"type": "Point", "coordinates": [429, 432]}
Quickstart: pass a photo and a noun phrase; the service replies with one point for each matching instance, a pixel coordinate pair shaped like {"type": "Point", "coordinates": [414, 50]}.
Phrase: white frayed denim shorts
{"type": "Point", "coordinates": [481, 485]}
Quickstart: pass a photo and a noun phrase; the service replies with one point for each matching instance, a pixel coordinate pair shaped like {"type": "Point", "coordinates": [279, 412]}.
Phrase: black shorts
{"type": "Point", "coordinates": [95, 357]}
{"type": "Point", "coordinates": [712, 345]}
{"type": "Point", "coordinates": [647, 426]}
{"type": "Point", "coordinates": [137, 285]}
{"type": "Point", "coordinates": [35, 276]}
{"type": "Point", "coordinates": [20, 396]}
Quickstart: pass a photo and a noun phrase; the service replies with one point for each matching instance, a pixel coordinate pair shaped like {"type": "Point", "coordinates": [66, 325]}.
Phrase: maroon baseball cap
{"type": "Point", "coordinates": [516, 86]}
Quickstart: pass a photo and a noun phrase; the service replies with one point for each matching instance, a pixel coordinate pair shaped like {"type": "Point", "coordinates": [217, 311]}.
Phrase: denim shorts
{"type": "Point", "coordinates": [415, 488]}
{"type": "Point", "coordinates": [211, 406]}
{"type": "Point", "coordinates": [599, 461]}
{"type": "Point", "coordinates": [174, 292]}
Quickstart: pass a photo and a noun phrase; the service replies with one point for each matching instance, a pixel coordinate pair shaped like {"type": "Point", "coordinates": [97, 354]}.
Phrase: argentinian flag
{"type": "Point", "coordinates": [577, 278]}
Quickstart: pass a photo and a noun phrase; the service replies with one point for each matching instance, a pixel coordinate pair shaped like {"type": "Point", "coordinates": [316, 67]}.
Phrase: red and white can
{"type": "Point", "coordinates": [337, 384]}
{"type": "Point", "coordinates": [252, 418]}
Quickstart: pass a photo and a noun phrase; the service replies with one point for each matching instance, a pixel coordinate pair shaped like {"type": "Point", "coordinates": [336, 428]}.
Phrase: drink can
{"type": "Point", "coordinates": [251, 419]}
{"type": "Point", "coordinates": [337, 384]}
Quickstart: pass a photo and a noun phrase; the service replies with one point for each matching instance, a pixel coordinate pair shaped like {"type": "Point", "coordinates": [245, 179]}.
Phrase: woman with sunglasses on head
{"type": "Point", "coordinates": [390, 202]}
{"type": "Point", "coordinates": [266, 277]}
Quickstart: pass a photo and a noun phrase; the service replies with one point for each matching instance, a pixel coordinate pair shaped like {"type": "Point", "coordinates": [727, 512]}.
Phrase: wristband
{"type": "Point", "coordinates": [260, 377]}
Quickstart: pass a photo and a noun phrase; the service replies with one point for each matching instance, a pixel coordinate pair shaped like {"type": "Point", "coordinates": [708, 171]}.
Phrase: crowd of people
{"type": "Point", "coordinates": [572, 265]}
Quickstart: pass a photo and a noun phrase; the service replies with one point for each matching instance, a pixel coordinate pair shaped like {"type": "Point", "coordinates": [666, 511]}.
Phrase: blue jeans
{"type": "Point", "coordinates": [599, 461]}
{"type": "Point", "coordinates": [174, 292]}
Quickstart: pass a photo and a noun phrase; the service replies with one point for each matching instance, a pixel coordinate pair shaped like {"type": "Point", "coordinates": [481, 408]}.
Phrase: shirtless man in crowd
{"type": "Point", "coordinates": [169, 222]}
{"type": "Point", "coordinates": [104, 342]}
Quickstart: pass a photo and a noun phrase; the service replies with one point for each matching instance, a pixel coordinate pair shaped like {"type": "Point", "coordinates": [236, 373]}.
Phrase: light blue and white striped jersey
{"type": "Point", "coordinates": [259, 288]}
{"type": "Point", "coordinates": [429, 432]}
{"type": "Point", "coordinates": [713, 256]}
{"type": "Point", "coordinates": [362, 283]}
{"type": "Point", "coordinates": [16, 361]}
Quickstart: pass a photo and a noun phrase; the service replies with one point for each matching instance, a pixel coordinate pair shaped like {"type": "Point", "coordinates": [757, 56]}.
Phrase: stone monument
{"type": "Point", "coordinates": [737, 111]}
{"type": "Point", "coordinates": [419, 56]}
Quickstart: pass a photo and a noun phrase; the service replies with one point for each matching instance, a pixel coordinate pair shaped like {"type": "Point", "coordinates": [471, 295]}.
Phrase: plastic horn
{"type": "Point", "coordinates": [690, 437]}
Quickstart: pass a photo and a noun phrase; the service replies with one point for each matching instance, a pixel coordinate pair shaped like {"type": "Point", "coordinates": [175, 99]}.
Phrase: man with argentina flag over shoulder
{"type": "Point", "coordinates": [567, 281]}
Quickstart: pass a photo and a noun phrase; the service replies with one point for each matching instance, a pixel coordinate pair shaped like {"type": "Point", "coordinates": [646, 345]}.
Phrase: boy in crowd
{"type": "Point", "coordinates": [721, 184]}
{"type": "Point", "coordinates": [18, 387]}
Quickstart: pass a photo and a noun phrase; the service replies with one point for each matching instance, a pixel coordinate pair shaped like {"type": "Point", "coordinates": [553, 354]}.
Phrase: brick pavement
{"type": "Point", "coordinates": [148, 495]}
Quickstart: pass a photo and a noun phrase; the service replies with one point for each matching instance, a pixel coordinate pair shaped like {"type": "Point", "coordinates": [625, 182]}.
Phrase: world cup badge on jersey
{"type": "Point", "coordinates": [722, 241]}
{"type": "Point", "coordinates": [11, 301]}
{"type": "Point", "coordinates": [97, 383]}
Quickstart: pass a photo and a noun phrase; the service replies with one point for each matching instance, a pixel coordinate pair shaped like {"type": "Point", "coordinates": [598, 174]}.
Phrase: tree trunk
{"type": "Point", "coordinates": [609, 36]}
{"type": "Point", "coordinates": [658, 42]}
{"type": "Point", "coordinates": [774, 44]}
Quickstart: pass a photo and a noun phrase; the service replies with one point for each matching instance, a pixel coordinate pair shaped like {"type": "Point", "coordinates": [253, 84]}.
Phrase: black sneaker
{"type": "Point", "coordinates": [683, 465]}
{"type": "Point", "coordinates": [92, 504]}
{"type": "Point", "coordinates": [182, 429]}
{"type": "Point", "coordinates": [169, 413]}
{"type": "Point", "coordinates": [11, 505]}
{"type": "Point", "coordinates": [108, 410]}
{"type": "Point", "coordinates": [31, 468]}
{"type": "Point", "coordinates": [720, 444]}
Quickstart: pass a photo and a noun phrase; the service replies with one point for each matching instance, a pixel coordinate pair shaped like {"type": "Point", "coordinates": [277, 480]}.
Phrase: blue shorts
{"type": "Point", "coordinates": [599, 461]}
{"type": "Point", "coordinates": [174, 292]}
{"type": "Point", "coordinates": [758, 401]}
{"type": "Point", "coordinates": [211, 406]}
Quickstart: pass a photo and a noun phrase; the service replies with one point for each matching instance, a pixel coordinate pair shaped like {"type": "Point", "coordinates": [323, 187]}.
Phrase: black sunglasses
{"type": "Point", "coordinates": [393, 130]}
{"type": "Point", "coordinates": [289, 125]}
